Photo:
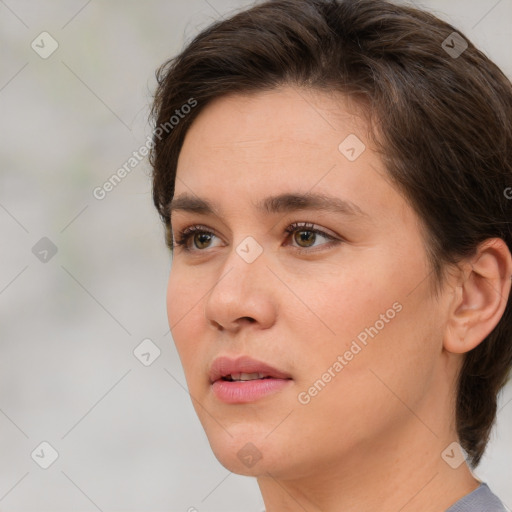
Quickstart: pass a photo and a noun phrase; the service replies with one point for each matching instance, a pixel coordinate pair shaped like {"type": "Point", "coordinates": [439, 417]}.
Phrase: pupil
{"type": "Point", "coordinates": [202, 238]}
{"type": "Point", "coordinates": [303, 238]}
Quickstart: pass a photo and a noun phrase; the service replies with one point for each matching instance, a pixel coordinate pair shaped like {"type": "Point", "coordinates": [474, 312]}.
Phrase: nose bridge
{"type": "Point", "coordinates": [242, 268]}
{"type": "Point", "coordinates": [240, 290]}
{"type": "Point", "coordinates": [249, 250]}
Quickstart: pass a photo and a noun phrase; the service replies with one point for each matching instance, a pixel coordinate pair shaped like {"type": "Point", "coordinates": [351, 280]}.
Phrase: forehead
{"type": "Point", "coordinates": [246, 147]}
{"type": "Point", "coordinates": [275, 119]}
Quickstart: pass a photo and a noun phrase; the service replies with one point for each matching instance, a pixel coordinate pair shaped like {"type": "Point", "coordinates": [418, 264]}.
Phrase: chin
{"type": "Point", "coordinates": [246, 452]}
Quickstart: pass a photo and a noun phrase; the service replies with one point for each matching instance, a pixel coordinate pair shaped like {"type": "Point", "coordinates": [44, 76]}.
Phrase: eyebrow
{"type": "Point", "coordinates": [282, 203]}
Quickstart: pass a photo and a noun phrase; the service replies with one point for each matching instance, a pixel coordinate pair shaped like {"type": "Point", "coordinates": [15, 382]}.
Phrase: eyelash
{"type": "Point", "coordinates": [185, 234]}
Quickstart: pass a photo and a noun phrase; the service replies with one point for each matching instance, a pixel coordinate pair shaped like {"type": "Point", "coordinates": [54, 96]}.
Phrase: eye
{"type": "Point", "coordinates": [200, 234]}
{"type": "Point", "coordinates": [303, 233]}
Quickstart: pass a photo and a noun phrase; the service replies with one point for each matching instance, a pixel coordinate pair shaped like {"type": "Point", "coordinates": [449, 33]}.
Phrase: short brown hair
{"type": "Point", "coordinates": [444, 123]}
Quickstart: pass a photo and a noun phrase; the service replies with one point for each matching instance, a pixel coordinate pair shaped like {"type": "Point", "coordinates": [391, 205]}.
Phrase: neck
{"type": "Point", "coordinates": [401, 471]}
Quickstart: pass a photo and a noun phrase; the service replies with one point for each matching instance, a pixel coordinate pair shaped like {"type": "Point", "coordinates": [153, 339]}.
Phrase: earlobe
{"type": "Point", "coordinates": [480, 296]}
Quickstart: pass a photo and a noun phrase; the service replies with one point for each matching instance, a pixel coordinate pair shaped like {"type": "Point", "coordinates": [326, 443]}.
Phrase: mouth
{"type": "Point", "coordinates": [245, 380]}
{"type": "Point", "coordinates": [244, 377]}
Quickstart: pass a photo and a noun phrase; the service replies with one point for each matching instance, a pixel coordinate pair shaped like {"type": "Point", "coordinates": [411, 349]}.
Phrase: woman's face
{"type": "Point", "coordinates": [342, 318]}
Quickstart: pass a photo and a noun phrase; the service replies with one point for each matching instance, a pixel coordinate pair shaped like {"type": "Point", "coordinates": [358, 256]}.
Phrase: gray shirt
{"type": "Point", "coordinates": [480, 500]}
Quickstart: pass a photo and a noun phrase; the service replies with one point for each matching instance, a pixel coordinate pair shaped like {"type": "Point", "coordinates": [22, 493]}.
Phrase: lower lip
{"type": "Point", "coordinates": [239, 392]}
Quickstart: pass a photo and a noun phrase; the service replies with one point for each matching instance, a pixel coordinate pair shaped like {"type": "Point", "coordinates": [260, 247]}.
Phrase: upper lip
{"type": "Point", "coordinates": [224, 366]}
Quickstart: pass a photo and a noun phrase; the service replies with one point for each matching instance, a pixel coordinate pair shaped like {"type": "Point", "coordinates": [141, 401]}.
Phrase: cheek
{"type": "Point", "coordinates": [185, 289]}
{"type": "Point", "coordinates": [387, 338]}
{"type": "Point", "coordinates": [357, 384]}
{"type": "Point", "coordinates": [371, 314]}
{"type": "Point", "coordinates": [184, 313]}
{"type": "Point", "coordinates": [175, 289]}
{"type": "Point", "coordinates": [340, 301]}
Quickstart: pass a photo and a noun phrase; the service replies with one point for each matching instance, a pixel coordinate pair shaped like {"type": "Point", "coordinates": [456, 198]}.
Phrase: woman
{"type": "Point", "coordinates": [333, 179]}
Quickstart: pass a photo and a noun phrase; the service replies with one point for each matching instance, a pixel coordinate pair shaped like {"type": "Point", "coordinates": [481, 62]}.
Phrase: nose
{"type": "Point", "coordinates": [243, 294]}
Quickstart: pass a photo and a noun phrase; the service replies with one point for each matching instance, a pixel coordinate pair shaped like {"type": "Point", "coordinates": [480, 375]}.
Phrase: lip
{"type": "Point", "coordinates": [245, 391]}
{"type": "Point", "coordinates": [223, 366]}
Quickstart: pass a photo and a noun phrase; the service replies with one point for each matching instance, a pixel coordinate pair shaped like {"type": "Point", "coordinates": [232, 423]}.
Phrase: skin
{"type": "Point", "coordinates": [372, 438]}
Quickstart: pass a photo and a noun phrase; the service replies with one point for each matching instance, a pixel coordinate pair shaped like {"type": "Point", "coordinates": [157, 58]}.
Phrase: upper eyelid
{"type": "Point", "coordinates": [186, 225]}
{"type": "Point", "coordinates": [296, 225]}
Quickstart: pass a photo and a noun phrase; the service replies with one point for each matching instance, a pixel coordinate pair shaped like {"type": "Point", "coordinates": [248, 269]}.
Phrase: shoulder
{"type": "Point", "coordinates": [481, 499]}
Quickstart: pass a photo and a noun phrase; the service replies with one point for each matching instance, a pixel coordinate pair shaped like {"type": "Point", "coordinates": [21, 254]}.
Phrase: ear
{"type": "Point", "coordinates": [480, 296]}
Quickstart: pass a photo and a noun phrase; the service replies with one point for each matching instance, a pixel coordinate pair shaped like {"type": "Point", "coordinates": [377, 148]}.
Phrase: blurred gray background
{"type": "Point", "coordinates": [83, 280]}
